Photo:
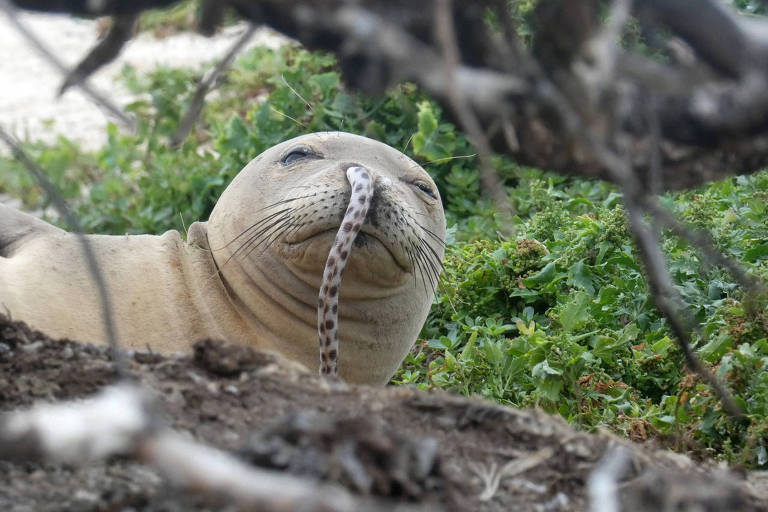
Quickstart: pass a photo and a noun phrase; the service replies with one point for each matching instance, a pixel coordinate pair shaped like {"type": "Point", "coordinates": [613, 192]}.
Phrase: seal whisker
{"type": "Point", "coordinates": [419, 257]}
{"type": "Point", "coordinates": [429, 232]}
{"type": "Point", "coordinates": [434, 261]}
{"type": "Point", "coordinates": [428, 267]}
{"type": "Point", "coordinates": [435, 257]}
{"type": "Point", "coordinates": [409, 253]}
{"type": "Point", "coordinates": [416, 263]}
{"type": "Point", "coordinates": [433, 272]}
{"type": "Point", "coordinates": [297, 226]}
{"type": "Point", "coordinates": [437, 268]}
{"type": "Point", "coordinates": [285, 201]}
{"type": "Point", "coordinates": [252, 226]}
{"type": "Point", "coordinates": [280, 233]}
{"type": "Point", "coordinates": [267, 234]}
{"type": "Point", "coordinates": [256, 237]}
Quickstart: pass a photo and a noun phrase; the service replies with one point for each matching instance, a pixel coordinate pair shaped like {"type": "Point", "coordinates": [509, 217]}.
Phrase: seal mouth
{"type": "Point", "coordinates": [368, 234]}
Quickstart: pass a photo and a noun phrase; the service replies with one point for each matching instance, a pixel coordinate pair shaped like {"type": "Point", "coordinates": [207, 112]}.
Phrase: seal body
{"type": "Point", "coordinates": [251, 274]}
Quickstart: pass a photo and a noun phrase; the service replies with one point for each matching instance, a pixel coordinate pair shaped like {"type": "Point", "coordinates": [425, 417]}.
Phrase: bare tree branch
{"type": "Point", "coordinates": [712, 110]}
{"type": "Point", "coordinates": [98, 98]}
{"type": "Point", "coordinates": [198, 99]}
{"type": "Point", "coordinates": [488, 177]}
{"type": "Point", "coordinates": [670, 303]}
{"type": "Point", "coordinates": [119, 421]}
{"type": "Point", "coordinates": [728, 52]}
{"type": "Point", "coordinates": [91, 260]}
{"type": "Point", "coordinates": [104, 52]}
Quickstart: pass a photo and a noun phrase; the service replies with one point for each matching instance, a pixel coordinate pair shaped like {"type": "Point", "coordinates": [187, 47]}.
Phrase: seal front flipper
{"type": "Point", "coordinates": [16, 226]}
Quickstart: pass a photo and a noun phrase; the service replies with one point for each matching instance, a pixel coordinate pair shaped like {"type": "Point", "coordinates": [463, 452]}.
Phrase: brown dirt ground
{"type": "Point", "coordinates": [394, 446]}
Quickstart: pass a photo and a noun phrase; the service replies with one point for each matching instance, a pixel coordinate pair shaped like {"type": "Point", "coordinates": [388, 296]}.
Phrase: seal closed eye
{"type": "Point", "coordinates": [297, 153]}
{"type": "Point", "coordinates": [252, 272]}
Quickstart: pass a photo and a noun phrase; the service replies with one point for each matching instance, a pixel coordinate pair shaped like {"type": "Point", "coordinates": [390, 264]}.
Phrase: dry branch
{"type": "Point", "coordinates": [98, 98]}
{"type": "Point", "coordinates": [89, 254]}
{"type": "Point", "coordinates": [104, 52]}
{"type": "Point", "coordinates": [198, 99]}
{"type": "Point", "coordinates": [711, 106]}
{"type": "Point", "coordinates": [119, 421]}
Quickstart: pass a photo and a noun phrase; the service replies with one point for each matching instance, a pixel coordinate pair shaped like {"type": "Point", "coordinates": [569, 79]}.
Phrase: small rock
{"type": "Point", "coordinates": [32, 347]}
{"type": "Point", "coordinates": [67, 353]}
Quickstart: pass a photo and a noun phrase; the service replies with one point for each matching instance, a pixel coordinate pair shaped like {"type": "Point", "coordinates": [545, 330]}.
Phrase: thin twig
{"type": "Point", "coordinates": [598, 69]}
{"type": "Point", "coordinates": [104, 52]}
{"type": "Point", "coordinates": [664, 294]}
{"type": "Point", "coordinates": [668, 299]}
{"type": "Point", "coordinates": [196, 105]}
{"type": "Point", "coordinates": [493, 476]}
{"type": "Point", "coordinates": [98, 98]}
{"type": "Point", "coordinates": [702, 240]}
{"type": "Point", "coordinates": [469, 121]}
{"type": "Point", "coordinates": [85, 246]}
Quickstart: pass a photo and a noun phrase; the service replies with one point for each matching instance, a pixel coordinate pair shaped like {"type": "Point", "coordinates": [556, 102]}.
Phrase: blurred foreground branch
{"type": "Point", "coordinates": [76, 77]}
{"type": "Point", "coordinates": [120, 421]}
{"type": "Point", "coordinates": [702, 74]}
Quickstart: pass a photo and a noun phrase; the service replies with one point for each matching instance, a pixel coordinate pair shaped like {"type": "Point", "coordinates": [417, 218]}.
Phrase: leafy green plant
{"type": "Point", "coordinates": [583, 339]}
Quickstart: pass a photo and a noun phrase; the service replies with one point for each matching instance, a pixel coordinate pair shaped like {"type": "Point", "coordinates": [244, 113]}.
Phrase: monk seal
{"type": "Point", "coordinates": [251, 273]}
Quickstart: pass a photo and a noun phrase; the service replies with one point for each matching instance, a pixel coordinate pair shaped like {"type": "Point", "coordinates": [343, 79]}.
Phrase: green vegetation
{"type": "Point", "coordinates": [168, 21]}
{"type": "Point", "coordinates": [557, 317]}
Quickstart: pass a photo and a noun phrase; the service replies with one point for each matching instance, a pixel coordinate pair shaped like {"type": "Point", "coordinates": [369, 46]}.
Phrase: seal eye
{"type": "Point", "coordinates": [297, 153]}
{"type": "Point", "coordinates": [425, 188]}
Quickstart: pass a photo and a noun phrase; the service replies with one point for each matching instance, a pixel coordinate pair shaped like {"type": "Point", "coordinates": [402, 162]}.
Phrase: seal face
{"type": "Point", "coordinates": [274, 228]}
{"type": "Point", "coordinates": [252, 273]}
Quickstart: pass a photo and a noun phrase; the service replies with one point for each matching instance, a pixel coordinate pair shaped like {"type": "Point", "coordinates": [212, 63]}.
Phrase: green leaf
{"type": "Point", "coordinates": [432, 141]}
{"type": "Point", "coordinates": [716, 348]}
{"type": "Point", "coordinates": [579, 275]}
{"type": "Point", "coordinates": [662, 346]}
{"type": "Point", "coordinates": [324, 82]}
{"type": "Point", "coordinates": [548, 381]}
{"type": "Point", "coordinates": [757, 252]}
{"type": "Point", "coordinates": [576, 312]}
{"type": "Point", "coordinates": [545, 275]}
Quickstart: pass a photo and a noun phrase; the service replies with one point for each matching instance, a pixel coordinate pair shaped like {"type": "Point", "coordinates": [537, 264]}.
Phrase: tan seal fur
{"type": "Point", "coordinates": [251, 274]}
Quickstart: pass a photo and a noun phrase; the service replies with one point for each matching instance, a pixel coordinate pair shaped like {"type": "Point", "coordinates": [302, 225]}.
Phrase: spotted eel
{"type": "Point", "coordinates": [361, 183]}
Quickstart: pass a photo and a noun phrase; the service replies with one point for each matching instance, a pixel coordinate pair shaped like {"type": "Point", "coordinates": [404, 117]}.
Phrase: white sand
{"type": "Point", "coordinates": [29, 107]}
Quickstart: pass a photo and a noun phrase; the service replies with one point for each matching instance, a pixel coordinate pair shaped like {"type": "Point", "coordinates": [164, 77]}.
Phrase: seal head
{"type": "Point", "coordinates": [272, 229]}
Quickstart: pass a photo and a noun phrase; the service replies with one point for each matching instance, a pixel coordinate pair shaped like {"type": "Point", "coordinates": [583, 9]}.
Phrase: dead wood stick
{"type": "Point", "coordinates": [98, 98]}
{"type": "Point", "coordinates": [88, 253]}
{"type": "Point", "coordinates": [196, 105]}
{"type": "Point", "coordinates": [488, 176]}
{"type": "Point", "coordinates": [119, 421]}
{"type": "Point", "coordinates": [104, 52]}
